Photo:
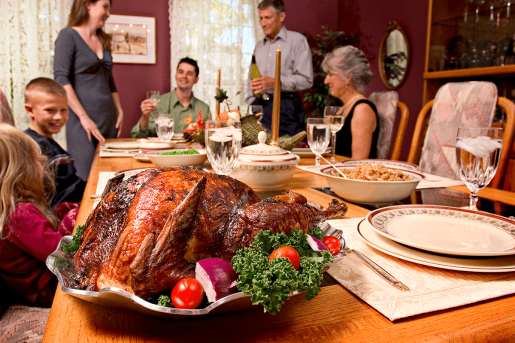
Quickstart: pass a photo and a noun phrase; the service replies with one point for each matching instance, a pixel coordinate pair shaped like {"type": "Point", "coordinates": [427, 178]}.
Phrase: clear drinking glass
{"type": "Point", "coordinates": [319, 133]}
{"type": "Point", "coordinates": [153, 96]}
{"type": "Point", "coordinates": [223, 144]}
{"type": "Point", "coordinates": [164, 126]}
{"type": "Point", "coordinates": [337, 120]}
{"type": "Point", "coordinates": [477, 152]}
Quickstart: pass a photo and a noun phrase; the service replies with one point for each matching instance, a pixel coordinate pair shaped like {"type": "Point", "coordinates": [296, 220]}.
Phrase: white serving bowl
{"type": "Point", "coordinates": [386, 163]}
{"type": "Point", "coordinates": [265, 166]}
{"type": "Point", "coordinates": [178, 160]}
{"type": "Point", "coordinates": [372, 192]}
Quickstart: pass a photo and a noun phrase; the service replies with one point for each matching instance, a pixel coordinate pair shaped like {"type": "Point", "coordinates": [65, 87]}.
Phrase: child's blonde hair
{"type": "Point", "coordinates": [19, 175]}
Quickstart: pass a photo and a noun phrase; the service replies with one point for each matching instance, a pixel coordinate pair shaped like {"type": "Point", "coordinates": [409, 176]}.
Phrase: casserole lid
{"type": "Point", "coordinates": [264, 152]}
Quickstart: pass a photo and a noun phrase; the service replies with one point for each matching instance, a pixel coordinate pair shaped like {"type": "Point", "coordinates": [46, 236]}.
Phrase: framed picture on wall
{"type": "Point", "coordinates": [133, 38]}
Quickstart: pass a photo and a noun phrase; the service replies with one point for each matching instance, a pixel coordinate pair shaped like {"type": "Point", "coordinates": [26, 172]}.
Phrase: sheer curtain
{"type": "Point", "coordinates": [218, 34]}
{"type": "Point", "coordinates": [28, 30]}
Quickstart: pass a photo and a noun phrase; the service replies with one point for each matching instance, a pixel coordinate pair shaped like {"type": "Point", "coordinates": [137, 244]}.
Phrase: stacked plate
{"type": "Point", "coordinates": [443, 237]}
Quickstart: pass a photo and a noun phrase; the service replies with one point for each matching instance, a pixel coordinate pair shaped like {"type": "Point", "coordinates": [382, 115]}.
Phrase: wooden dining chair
{"type": "Point", "coordinates": [456, 105]}
{"type": "Point", "coordinates": [387, 104]}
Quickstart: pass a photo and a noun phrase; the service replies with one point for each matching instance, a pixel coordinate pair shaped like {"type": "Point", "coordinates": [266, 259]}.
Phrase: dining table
{"type": "Point", "coordinates": [335, 315]}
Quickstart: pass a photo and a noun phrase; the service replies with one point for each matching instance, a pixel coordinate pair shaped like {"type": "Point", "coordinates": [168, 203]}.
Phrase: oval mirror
{"type": "Point", "coordinates": [394, 56]}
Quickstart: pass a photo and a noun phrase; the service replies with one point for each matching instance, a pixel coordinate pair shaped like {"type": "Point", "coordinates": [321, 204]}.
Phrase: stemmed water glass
{"type": "Point", "coordinates": [337, 119]}
{"type": "Point", "coordinates": [223, 144]}
{"type": "Point", "coordinates": [478, 151]}
{"type": "Point", "coordinates": [319, 132]}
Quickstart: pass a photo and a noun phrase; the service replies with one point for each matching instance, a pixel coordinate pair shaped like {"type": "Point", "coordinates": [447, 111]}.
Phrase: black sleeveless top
{"type": "Point", "coordinates": [344, 136]}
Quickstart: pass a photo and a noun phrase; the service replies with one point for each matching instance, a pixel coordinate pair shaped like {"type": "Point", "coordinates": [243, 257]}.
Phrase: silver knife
{"type": "Point", "coordinates": [330, 231]}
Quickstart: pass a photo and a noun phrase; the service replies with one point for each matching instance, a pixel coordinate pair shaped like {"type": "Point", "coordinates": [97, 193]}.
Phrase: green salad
{"type": "Point", "coordinates": [183, 152]}
{"type": "Point", "coordinates": [270, 283]}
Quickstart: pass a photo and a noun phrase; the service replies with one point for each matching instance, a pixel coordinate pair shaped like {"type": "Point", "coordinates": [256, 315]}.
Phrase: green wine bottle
{"type": "Point", "coordinates": [254, 73]}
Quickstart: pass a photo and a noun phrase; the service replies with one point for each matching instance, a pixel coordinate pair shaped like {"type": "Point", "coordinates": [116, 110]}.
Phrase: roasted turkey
{"type": "Point", "coordinates": [148, 231]}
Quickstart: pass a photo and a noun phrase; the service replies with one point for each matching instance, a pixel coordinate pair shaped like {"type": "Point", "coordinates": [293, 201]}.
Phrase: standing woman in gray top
{"type": "Point", "coordinates": [83, 65]}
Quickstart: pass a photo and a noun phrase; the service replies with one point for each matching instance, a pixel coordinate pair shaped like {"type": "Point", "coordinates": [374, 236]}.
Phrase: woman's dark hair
{"type": "Point", "coordinates": [80, 15]}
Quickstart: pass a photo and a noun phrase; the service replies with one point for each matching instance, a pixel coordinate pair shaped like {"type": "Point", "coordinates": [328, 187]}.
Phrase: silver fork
{"type": "Point", "coordinates": [330, 231]}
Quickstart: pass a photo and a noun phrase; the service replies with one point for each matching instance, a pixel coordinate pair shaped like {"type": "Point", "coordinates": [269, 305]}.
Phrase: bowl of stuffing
{"type": "Point", "coordinates": [372, 184]}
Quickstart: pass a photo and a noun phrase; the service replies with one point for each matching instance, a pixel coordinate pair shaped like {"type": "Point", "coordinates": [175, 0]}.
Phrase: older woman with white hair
{"type": "Point", "coordinates": [348, 74]}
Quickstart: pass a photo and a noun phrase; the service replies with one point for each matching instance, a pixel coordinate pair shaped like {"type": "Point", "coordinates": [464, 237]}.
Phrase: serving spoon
{"type": "Point", "coordinates": [332, 165]}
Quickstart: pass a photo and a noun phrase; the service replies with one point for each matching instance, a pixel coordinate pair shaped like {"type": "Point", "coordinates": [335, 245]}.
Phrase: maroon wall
{"type": "Point", "coordinates": [134, 80]}
{"type": "Point", "coordinates": [308, 16]}
{"type": "Point", "coordinates": [370, 18]}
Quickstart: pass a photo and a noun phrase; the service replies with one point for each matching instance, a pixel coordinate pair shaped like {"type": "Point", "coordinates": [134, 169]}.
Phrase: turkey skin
{"type": "Point", "coordinates": [149, 230]}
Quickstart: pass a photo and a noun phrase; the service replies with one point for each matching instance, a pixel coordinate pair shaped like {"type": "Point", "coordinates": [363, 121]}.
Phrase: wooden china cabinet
{"type": "Point", "coordinates": [472, 40]}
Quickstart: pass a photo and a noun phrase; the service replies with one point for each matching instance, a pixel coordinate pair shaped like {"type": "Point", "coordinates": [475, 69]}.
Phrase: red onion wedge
{"type": "Point", "coordinates": [216, 276]}
{"type": "Point", "coordinates": [316, 244]}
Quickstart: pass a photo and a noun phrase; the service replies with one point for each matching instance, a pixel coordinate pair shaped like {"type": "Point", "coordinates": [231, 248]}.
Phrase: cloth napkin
{"type": "Point", "coordinates": [432, 289]}
{"type": "Point", "coordinates": [431, 181]}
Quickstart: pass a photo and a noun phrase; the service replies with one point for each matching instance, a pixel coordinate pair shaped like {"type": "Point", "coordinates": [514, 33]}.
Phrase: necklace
{"type": "Point", "coordinates": [350, 101]}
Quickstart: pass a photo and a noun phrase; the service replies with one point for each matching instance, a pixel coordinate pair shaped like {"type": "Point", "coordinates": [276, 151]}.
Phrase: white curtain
{"type": "Point", "coordinates": [28, 30]}
{"type": "Point", "coordinates": [218, 34]}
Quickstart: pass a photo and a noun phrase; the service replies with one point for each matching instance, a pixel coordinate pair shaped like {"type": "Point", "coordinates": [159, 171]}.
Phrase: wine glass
{"type": "Point", "coordinates": [337, 119]}
{"type": "Point", "coordinates": [164, 126]}
{"type": "Point", "coordinates": [319, 132]}
{"type": "Point", "coordinates": [477, 153]}
{"type": "Point", "coordinates": [223, 144]}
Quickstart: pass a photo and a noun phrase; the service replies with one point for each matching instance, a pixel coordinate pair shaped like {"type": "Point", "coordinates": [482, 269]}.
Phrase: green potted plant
{"type": "Point", "coordinates": [316, 98]}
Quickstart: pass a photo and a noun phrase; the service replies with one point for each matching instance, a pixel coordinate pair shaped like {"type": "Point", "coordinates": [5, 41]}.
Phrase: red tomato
{"type": "Point", "coordinates": [187, 293]}
{"type": "Point", "coordinates": [286, 252]}
{"type": "Point", "coordinates": [332, 243]}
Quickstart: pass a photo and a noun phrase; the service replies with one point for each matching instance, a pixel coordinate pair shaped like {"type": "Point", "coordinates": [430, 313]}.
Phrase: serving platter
{"type": "Point", "coordinates": [446, 230]}
{"type": "Point", "coordinates": [479, 265]}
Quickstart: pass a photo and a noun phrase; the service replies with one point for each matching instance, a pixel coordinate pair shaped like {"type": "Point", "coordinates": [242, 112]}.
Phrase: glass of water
{"type": "Point", "coordinates": [223, 144]}
{"type": "Point", "coordinates": [478, 151]}
{"type": "Point", "coordinates": [164, 126]}
{"type": "Point", "coordinates": [335, 114]}
{"type": "Point", "coordinates": [319, 133]}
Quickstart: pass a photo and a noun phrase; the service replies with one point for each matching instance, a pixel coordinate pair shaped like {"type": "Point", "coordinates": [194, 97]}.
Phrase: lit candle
{"type": "Point", "coordinates": [218, 83]}
{"type": "Point", "coordinates": [276, 111]}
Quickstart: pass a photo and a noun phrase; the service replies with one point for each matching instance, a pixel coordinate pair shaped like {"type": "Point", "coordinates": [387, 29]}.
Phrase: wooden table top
{"type": "Point", "coordinates": [335, 315]}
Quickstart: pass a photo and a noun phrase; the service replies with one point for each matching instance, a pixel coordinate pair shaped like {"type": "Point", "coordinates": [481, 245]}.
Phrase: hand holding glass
{"type": "Point", "coordinates": [164, 126]}
{"type": "Point", "coordinates": [335, 114]}
{"type": "Point", "coordinates": [223, 144]}
{"type": "Point", "coordinates": [478, 151]}
{"type": "Point", "coordinates": [319, 132]}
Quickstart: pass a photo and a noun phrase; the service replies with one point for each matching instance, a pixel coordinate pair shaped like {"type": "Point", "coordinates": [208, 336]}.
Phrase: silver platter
{"type": "Point", "coordinates": [115, 297]}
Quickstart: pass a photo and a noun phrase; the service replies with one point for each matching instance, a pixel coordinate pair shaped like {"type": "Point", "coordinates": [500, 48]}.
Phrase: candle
{"type": "Point", "coordinates": [218, 84]}
{"type": "Point", "coordinates": [276, 111]}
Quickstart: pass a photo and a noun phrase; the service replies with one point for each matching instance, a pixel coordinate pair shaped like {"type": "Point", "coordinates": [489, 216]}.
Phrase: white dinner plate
{"type": "Point", "coordinates": [386, 163]}
{"type": "Point", "coordinates": [122, 145]}
{"type": "Point", "coordinates": [155, 145]}
{"type": "Point", "coordinates": [389, 247]}
{"type": "Point", "coordinates": [307, 152]}
{"type": "Point", "coordinates": [446, 230]}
